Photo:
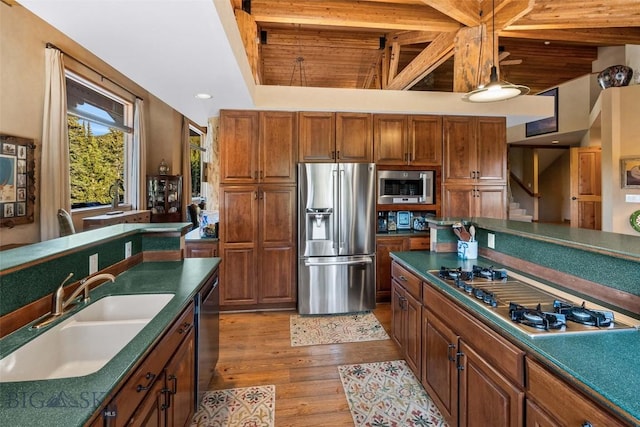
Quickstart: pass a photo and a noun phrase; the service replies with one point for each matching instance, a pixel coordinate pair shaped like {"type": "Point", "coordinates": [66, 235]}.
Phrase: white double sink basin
{"type": "Point", "coordinates": [86, 341]}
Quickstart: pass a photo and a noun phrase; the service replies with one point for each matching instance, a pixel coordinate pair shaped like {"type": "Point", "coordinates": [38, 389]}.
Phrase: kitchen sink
{"type": "Point", "coordinates": [85, 342]}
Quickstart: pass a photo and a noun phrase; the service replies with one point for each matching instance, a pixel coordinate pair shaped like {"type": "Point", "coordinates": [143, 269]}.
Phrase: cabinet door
{"type": "Point", "coordinates": [238, 276]}
{"type": "Point", "coordinates": [492, 150]}
{"type": "Point", "coordinates": [459, 149]}
{"type": "Point", "coordinates": [353, 138]}
{"type": "Point", "coordinates": [486, 397]}
{"type": "Point", "coordinates": [278, 146]}
{"type": "Point", "coordinates": [385, 245]}
{"type": "Point", "coordinates": [413, 334]}
{"type": "Point", "coordinates": [536, 417]}
{"type": "Point", "coordinates": [239, 133]}
{"type": "Point", "coordinates": [491, 201]}
{"type": "Point", "coordinates": [397, 313]}
{"type": "Point", "coordinates": [439, 371]}
{"type": "Point", "coordinates": [277, 244]}
{"type": "Point", "coordinates": [458, 201]}
{"type": "Point", "coordinates": [239, 215]}
{"type": "Point", "coordinates": [152, 411]}
{"type": "Point", "coordinates": [425, 140]}
{"type": "Point", "coordinates": [180, 375]}
{"type": "Point", "coordinates": [316, 137]}
{"type": "Point", "coordinates": [390, 139]}
{"type": "Point", "coordinates": [201, 250]}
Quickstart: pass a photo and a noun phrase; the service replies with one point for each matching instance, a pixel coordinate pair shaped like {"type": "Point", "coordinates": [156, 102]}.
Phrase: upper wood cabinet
{"type": "Point", "coordinates": [258, 146]}
{"type": "Point", "coordinates": [335, 137]}
{"type": "Point", "coordinates": [407, 140]}
{"type": "Point", "coordinates": [475, 150]}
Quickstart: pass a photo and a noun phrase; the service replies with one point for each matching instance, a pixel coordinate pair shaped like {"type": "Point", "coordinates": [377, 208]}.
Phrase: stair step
{"type": "Point", "coordinates": [517, 211]}
{"type": "Point", "coordinates": [522, 218]}
{"type": "Point", "coordinates": [514, 205]}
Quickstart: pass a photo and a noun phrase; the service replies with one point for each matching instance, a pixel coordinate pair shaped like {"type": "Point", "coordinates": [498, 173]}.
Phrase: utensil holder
{"type": "Point", "coordinates": [467, 250]}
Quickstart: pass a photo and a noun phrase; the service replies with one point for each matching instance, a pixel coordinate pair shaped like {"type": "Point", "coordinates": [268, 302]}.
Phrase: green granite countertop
{"type": "Point", "coordinates": [72, 401]}
{"type": "Point", "coordinates": [604, 365]}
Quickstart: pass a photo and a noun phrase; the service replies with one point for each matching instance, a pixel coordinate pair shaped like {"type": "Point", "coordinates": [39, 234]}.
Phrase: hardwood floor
{"type": "Point", "coordinates": [255, 349]}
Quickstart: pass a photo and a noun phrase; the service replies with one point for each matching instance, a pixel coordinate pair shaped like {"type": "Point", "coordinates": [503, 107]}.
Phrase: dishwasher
{"type": "Point", "coordinates": [207, 335]}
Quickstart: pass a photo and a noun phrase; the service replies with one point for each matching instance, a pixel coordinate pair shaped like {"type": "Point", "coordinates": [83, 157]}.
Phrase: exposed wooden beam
{"type": "Point", "coordinates": [345, 13]}
{"type": "Point", "coordinates": [596, 37]}
{"type": "Point", "coordinates": [249, 36]}
{"type": "Point", "coordinates": [393, 63]}
{"type": "Point", "coordinates": [288, 36]}
{"type": "Point", "coordinates": [472, 59]}
{"type": "Point", "coordinates": [506, 13]}
{"type": "Point", "coordinates": [428, 60]}
{"type": "Point", "coordinates": [466, 12]}
{"type": "Point", "coordinates": [413, 37]}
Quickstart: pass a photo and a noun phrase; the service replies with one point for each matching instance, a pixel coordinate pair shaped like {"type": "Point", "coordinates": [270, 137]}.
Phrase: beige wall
{"type": "Point", "coordinates": [23, 37]}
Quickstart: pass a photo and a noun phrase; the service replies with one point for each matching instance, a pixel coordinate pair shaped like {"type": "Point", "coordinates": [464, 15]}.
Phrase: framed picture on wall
{"type": "Point", "coordinates": [548, 125]}
{"type": "Point", "coordinates": [17, 189]}
{"type": "Point", "coordinates": [630, 167]}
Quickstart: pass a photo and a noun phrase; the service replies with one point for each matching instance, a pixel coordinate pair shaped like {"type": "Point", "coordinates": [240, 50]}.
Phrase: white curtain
{"type": "Point", "coordinates": [55, 190]}
{"type": "Point", "coordinates": [186, 167]}
{"type": "Point", "coordinates": [137, 179]}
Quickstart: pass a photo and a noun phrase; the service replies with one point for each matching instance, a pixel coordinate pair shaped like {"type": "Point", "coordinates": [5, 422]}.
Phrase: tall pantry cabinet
{"type": "Point", "coordinates": [474, 172]}
{"type": "Point", "coordinates": [258, 153]}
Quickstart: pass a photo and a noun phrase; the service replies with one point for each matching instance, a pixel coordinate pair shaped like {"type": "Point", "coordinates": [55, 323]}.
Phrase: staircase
{"type": "Point", "coordinates": [517, 214]}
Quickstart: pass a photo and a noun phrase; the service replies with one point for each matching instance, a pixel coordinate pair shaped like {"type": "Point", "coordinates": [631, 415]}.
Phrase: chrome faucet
{"type": "Point", "coordinates": [59, 304]}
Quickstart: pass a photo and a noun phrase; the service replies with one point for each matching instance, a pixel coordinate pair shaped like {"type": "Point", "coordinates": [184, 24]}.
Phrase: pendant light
{"type": "Point", "coordinates": [495, 90]}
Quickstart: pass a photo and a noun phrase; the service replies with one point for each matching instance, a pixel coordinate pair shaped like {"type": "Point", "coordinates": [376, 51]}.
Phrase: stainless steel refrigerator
{"type": "Point", "coordinates": [336, 229]}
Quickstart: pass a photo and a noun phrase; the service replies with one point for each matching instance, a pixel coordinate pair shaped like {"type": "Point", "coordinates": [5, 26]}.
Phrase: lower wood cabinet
{"type": "Point", "coordinates": [386, 245]}
{"type": "Point", "coordinates": [553, 402]}
{"type": "Point", "coordinates": [161, 391]}
{"type": "Point", "coordinates": [406, 313]}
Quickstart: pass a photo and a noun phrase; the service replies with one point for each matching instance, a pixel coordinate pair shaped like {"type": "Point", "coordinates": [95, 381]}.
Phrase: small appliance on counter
{"type": "Point", "coordinates": [403, 220]}
{"type": "Point", "coordinates": [382, 222]}
{"type": "Point", "coordinates": [392, 225]}
{"type": "Point", "coordinates": [420, 223]}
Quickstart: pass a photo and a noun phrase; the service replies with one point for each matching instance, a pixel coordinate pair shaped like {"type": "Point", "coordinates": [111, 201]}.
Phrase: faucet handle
{"type": "Point", "coordinates": [58, 297]}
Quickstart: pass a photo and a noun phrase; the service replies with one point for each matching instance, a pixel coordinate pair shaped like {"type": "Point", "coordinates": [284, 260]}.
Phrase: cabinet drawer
{"type": "Point", "coordinates": [404, 277]}
{"type": "Point", "coordinates": [142, 380]}
{"type": "Point", "coordinates": [566, 405]}
{"type": "Point", "coordinates": [419, 244]}
{"type": "Point", "coordinates": [501, 354]}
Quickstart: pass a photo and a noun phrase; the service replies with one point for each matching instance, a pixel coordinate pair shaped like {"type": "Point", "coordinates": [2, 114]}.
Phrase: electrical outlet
{"type": "Point", "coordinates": [93, 264]}
{"type": "Point", "coordinates": [632, 198]}
{"type": "Point", "coordinates": [491, 240]}
{"type": "Point", "coordinates": [127, 250]}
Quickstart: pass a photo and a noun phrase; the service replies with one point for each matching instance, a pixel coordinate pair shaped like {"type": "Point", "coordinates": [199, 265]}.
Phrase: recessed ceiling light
{"type": "Point", "coordinates": [203, 96]}
{"type": "Point", "coordinates": [547, 43]}
{"type": "Point", "coordinates": [555, 141]}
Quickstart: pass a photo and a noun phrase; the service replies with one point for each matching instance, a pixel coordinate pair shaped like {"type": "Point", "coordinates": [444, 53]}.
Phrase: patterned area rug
{"type": "Point", "coordinates": [237, 407]}
{"type": "Point", "coordinates": [335, 328]}
{"type": "Point", "coordinates": [387, 394]}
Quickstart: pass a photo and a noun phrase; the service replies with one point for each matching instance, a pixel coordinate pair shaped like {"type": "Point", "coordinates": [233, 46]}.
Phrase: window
{"type": "Point", "coordinates": [195, 140]}
{"type": "Point", "coordinates": [99, 135]}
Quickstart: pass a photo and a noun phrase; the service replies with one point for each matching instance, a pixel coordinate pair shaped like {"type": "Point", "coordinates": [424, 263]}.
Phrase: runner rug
{"type": "Point", "coordinates": [237, 407]}
{"type": "Point", "coordinates": [335, 328]}
{"type": "Point", "coordinates": [387, 394]}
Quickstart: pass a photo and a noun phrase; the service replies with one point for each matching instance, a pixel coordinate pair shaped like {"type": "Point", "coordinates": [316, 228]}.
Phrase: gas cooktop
{"type": "Point", "coordinates": [538, 309]}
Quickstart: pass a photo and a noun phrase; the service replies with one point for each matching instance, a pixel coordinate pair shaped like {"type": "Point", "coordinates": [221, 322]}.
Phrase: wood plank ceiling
{"type": "Point", "coordinates": [441, 45]}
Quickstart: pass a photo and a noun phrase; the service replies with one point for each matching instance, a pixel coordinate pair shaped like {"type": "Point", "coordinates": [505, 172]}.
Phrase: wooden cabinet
{"type": "Point", "coordinates": [161, 391]}
{"type": "Point", "coordinates": [407, 140]}
{"type": "Point", "coordinates": [258, 246]}
{"type": "Point", "coordinates": [164, 197]}
{"type": "Point", "coordinates": [475, 150]}
{"type": "Point", "coordinates": [463, 201]}
{"type": "Point", "coordinates": [547, 402]}
{"type": "Point", "coordinates": [393, 243]}
{"type": "Point", "coordinates": [258, 146]}
{"type": "Point", "coordinates": [475, 376]}
{"type": "Point", "coordinates": [335, 137]}
{"type": "Point", "coordinates": [196, 246]}
{"type": "Point", "coordinates": [92, 222]}
{"type": "Point", "coordinates": [406, 312]}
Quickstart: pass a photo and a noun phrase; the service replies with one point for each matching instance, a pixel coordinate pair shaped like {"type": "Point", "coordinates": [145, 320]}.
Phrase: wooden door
{"type": "Point", "coordinates": [353, 138]}
{"type": "Point", "coordinates": [180, 376]}
{"type": "Point", "coordinates": [152, 411]}
{"type": "Point", "coordinates": [397, 313]}
{"type": "Point", "coordinates": [586, 188]}
{"type": "Point", "coordinates": [439, 372]}
{"type": "Point", "coordinates": [390, 139]}
{"type": "Point", "coordinates": [486, 397]}
{"type": "Point", "coordinates": [385, 245]}
{"type": "Point", "coordinates": [460, 149]}
{"type": "Point", "coordinates": [413, 334]}
{"type": "Point", "coordinates": [425, 140]}
{"type": "Point", "coordinates": [277, 244]}
{"type": "Point", "coordinates": [239, 133]}
{"type": "Point", "coordinates": [536, 417]}
{"type": "Point", "coordinates": [278, 151]}
{"type": "Point", "coordinates": [458, 201]}
{"type": "Point", "coordinates": [491, 201]}
{"type": "Point", "coordinates": [491, 136]}
{"type": "Point", "coordinates": [239, 214]}
{"type": "Point", "coordinates": [316, 137]}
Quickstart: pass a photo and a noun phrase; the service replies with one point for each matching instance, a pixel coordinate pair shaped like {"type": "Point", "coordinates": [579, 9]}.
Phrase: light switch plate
{"type": "Point", "coordinates": [127, 250]}
{"type": "Point", "coordinates": [491, 240]}
{"type": "Point", "coordinates": [93, 264]}
{"type": "Point", "coordinates": [632, 198]}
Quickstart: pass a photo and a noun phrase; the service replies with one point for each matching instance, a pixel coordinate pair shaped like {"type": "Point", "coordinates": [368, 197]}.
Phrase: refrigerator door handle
{"type": "Point", "coordinates": [325, 264]}
{"type": "Point", "coordinates": [337, 212]}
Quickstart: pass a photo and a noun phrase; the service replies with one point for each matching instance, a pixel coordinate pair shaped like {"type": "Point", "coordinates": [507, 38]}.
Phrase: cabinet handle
{"type": "Point", "coordinates": [338, 155]}
{"type": "Point", "coordinates": [255, 195]}
{"type": "Point", "coordinates": [459, 355]}
{"type": "Point", "coordinates": [478, 175]}
{"type": "Point", "coordinates": [261, 195]}
{"type": "Point", "coordinates": [167, 399]}
{"type": "Point", "coordinates": [186, 326]}
{"type": "Point", "coordinates": [450, 353]}
{"type": "Point", "coordinates": [261, 174]}
{"type": "Point", "coordinates": [255, 174]}
{"type": "Point", "coordinates": [175, 383]}
{"type": "Point", "coordinates": [333, 155]}
{"type": "Point", "coordinates": [404, 279]}
{"type": "Point", "coordinates": [473, 174]}
{"type": "Point", "coordinates": [150, 377]}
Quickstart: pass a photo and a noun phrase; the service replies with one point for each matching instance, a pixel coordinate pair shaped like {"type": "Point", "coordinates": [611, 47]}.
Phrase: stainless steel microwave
{"type": "Point", "coordinates": [406, 187]}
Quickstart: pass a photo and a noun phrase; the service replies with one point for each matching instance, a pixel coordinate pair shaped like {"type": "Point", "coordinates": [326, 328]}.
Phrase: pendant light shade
{"type": "Point", "coordinates": [495, 90]}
